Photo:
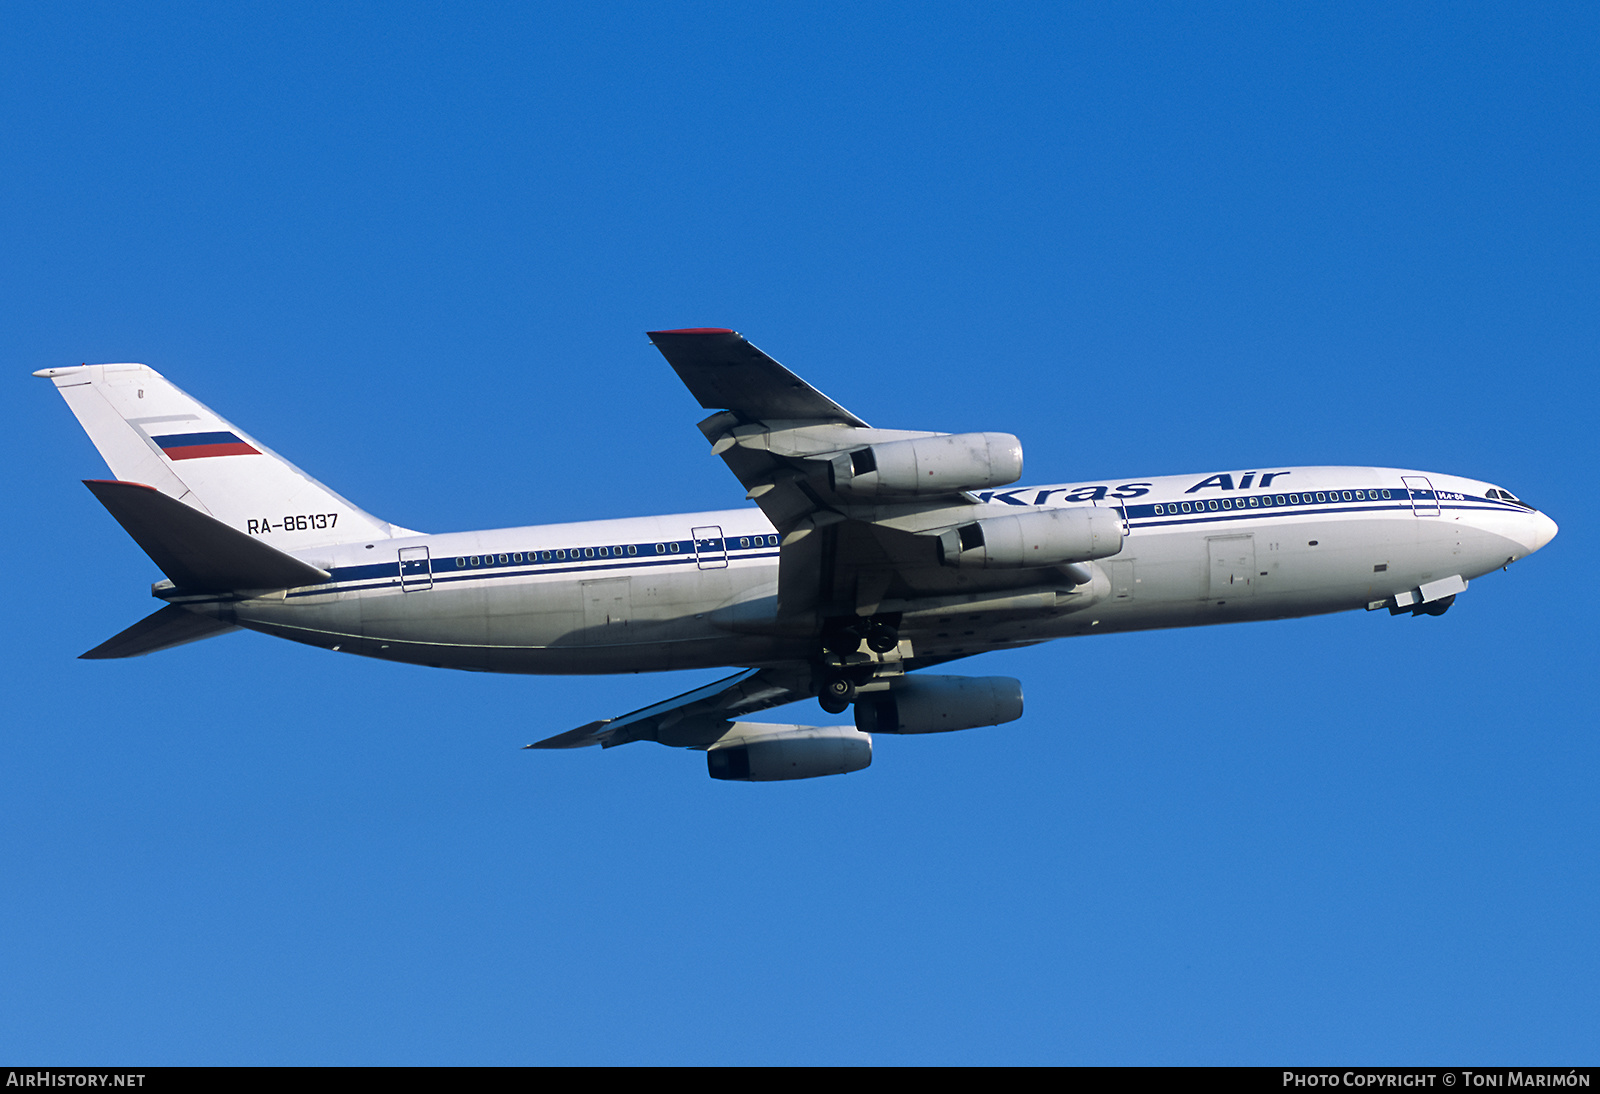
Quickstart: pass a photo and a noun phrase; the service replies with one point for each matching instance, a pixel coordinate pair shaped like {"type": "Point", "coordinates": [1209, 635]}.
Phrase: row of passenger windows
{"type": "Point", "coordinates": [579, 554]}
{"type": "Point", "coordinates": [1269, 500]}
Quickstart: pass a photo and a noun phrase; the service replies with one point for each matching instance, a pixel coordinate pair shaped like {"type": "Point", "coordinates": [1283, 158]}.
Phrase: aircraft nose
{"type": "Point", "coordinates": [1541, 530]}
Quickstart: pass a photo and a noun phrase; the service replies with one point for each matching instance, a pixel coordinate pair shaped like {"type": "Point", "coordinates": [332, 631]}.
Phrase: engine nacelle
{"type": "Point", "coordinates": [939, 704]}
{"type": "Point", "coordinates": [1050, 537]}
{"type": "Point", "coordinates": [756, 753]}
{"type": "Point", "coordinates": [930, 465]}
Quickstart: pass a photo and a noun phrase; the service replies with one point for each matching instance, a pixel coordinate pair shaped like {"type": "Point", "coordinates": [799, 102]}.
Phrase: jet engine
{"type": "Point", "coordinates": [1048, 537]}
{"type": "Point", "coordinates": [929, 465]}
{"type": "Point", "coordinates": [938, 704]}
{"type": "Point", "coordinates": [769, 753]}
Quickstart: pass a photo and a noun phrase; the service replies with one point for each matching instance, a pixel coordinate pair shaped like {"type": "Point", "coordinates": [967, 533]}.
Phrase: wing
{"type": "Point", "coordinates": [696, 718]}
{"type": "Point", "coordinates": [882, 497]}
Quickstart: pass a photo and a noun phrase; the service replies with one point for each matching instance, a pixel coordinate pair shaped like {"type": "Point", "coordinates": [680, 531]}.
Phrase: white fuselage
{"type": "Point", "coordinates": [699, 590]}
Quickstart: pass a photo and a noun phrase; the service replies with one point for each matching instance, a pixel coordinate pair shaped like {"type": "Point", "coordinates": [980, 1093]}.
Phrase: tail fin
{"type": "Point", "coordinates": [151, 432]}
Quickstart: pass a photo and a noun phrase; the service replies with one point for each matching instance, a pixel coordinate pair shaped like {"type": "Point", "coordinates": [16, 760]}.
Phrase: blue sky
{"type": "Point", "coordinates": [415, 249]}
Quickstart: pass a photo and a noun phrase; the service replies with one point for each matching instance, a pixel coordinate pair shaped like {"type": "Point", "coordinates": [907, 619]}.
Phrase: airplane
{"type": "Point", "coordinates": [870, 556]}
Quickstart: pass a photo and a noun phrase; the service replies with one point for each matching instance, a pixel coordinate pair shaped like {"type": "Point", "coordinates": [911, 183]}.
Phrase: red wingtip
{"type": "Point", "coordinates": [694, 330]}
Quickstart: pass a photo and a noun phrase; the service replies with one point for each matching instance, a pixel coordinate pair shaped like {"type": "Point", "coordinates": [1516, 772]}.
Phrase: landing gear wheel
{"type": "Point", "coordinates": [837, 694]}
{"type": "Point", "coordinates": [841, 642]}
{"type": "Point", "coordinates": [882, 638]}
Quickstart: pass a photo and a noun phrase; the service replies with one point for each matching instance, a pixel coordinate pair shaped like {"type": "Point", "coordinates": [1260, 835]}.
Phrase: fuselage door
{"type": "Point", "coordinates": [607, 610]}
{"type": "Point", "coordinates": [710, 549]}
{"type": "Point", "coordinates": [1424, 499]}
{"type": "Point", "coordinates": [1233, 566]}
{"type": "Point", "coordinates": [416, 573]}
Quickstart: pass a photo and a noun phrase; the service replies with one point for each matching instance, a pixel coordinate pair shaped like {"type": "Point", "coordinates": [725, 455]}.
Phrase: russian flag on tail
{"type": "Point", "coordinates": [193, 446]}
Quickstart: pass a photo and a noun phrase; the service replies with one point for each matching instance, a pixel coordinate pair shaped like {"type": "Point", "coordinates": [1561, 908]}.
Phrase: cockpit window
{"type": "Point", "coordinates": [1498, 494]}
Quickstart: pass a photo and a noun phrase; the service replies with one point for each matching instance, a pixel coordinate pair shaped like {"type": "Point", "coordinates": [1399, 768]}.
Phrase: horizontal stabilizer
{"type": "Point", "coordinates": [199, 553]}
{"type": "Point", "coordinates": [171, 626]}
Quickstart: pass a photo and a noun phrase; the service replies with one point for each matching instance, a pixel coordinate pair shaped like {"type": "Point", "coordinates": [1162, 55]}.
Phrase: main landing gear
{"type": "Point", "coordinates": [844, 637]}
{"type": "Point", "coordinates": [843, 668]}
{"type": "Point", "coordinates": [837, 693]}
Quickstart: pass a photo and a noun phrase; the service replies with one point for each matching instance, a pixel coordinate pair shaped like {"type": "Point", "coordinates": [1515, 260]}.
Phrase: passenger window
{"type": "Point", "coordinates": [461, 563]}
{"type": "Point", "coordinates": [1253, 502]}
{"type": "Point", "coordinates": [661, 548]}
{"type": "Point", "coordinates": [633, 549]}
{"type": "Point", "coordinates": [1212, 504]}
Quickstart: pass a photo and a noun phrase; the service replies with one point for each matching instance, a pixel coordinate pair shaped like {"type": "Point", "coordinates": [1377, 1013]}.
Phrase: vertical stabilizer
{"type": "Point", "coordinates": [150, 432]}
